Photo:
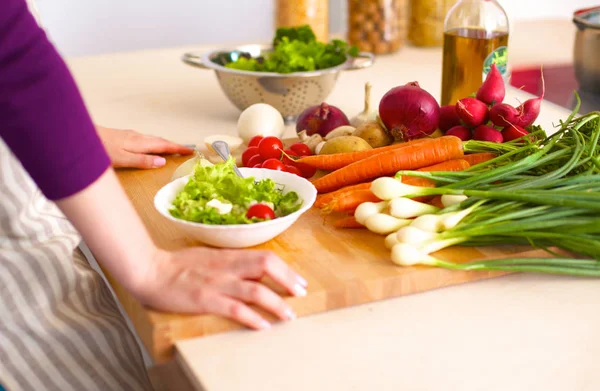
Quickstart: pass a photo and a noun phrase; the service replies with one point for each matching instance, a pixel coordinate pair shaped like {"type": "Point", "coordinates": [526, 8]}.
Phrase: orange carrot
{"type": "Point", "coordinates": [450, 165]}
{"type": "Point", "coordinates": [348, 222]}
{"type": "Point", "coordinates": [415, 156]}
{"type": "Point", "coordinates": [349, 200]}
{"type": "Point", "coordinates": [476, 158]}
{"type": "Point", "coordinates": [336, 161]}
{"type": "Point", "coordinates": [324, 199]}
{"type": "Point", "coordinates": [437, 201]}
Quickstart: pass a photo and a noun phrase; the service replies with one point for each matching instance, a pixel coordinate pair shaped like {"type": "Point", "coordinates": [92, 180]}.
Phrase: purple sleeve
{"type": "Point", "coordinates": [43, 118]}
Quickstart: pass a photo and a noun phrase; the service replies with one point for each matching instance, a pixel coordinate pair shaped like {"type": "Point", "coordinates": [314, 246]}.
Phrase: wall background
{"type": "Point", "coordinates": [84, 27]}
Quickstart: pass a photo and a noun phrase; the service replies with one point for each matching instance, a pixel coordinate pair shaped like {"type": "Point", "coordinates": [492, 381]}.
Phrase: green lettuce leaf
{"type": "Point", "coordinates": [220, 182]}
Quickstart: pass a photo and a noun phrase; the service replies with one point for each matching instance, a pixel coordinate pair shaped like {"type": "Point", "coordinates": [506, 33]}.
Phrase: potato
{"type": "Point", "coordinates": [374, 134]}
{"type": "Point", "coordinates": [344, 144]}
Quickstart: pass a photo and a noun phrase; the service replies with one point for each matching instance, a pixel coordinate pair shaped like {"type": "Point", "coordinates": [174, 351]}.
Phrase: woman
{"type": "Point", "coordinates": [59, 327]}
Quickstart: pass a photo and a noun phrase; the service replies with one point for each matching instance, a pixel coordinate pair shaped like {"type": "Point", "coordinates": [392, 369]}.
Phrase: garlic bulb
{"type": "Point", "coordinates": [367, 114]}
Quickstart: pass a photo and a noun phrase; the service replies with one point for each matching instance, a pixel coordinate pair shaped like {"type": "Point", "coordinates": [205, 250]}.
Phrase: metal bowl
{"type": "Point", "coordinates": [587, 49]}
{"type": "Point", "coordinates": [289, 93]}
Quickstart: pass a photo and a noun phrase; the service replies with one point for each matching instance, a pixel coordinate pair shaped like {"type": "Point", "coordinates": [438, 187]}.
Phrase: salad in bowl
{"type": "Point", "coordinates": [221, 209]}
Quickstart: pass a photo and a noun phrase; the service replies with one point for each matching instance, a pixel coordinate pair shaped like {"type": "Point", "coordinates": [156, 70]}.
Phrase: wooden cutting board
{"type": "Point", "coordinates": [343, 267]}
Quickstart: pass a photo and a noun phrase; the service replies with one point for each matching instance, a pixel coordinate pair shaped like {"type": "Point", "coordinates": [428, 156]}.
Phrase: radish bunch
{"type": "Point", "coordinates": [485, 118]}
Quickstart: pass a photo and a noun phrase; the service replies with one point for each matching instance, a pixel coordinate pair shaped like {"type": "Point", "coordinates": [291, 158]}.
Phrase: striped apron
{"type": "Point", "coordinates": [60, 328]}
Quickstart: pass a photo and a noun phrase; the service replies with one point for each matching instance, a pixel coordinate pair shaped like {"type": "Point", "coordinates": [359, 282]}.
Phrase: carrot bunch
{"type": "Point", "coordinates": [348, 184]}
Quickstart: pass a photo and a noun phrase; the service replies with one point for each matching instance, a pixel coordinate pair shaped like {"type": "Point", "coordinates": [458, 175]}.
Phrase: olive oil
{"type": "Point", "coordinates": [475, 37]}
{"type": "Point", "coordinates": [468, 54]}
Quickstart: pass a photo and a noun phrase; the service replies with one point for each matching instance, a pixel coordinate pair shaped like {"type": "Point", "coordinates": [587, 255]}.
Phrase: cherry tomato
{"type": "Point", "coordinates": [259, 165]}
{"type": "Point", "coordinates": [270, 147]}
{"type": "Point", "coordinates": [301, 149]}
{"type": "Point", "coordinates": [306, 170]}
{"type": "Point", "coordinates": [287, 160]}
{"type": "Point", "coordinates": [293, 170]}
{"type": "Point", "coordinates": [260, 211]}
{"type": "Point", "coordinates": [247, 154]}
{"type": "Point", "coordinates": [254, 160]}
{"type": "Point", "coordinates": [254, 141]}
{"type": "Point", "coordinates": [273, 164]}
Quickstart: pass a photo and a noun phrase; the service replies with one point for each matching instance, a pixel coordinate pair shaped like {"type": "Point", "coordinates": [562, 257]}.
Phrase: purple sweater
{"type": "Point", "coordinates": [43, 118]}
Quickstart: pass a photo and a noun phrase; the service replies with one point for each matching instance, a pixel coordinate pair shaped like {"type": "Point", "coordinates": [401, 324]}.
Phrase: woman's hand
{"type": "Point", "coordinates": [222, 282]}
{"type": "Point", "coordinates": [128, 148]}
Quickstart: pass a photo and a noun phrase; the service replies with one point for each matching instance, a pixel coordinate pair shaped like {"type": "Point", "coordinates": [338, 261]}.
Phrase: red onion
{"type": "Point", "coordinates": [409, 112]}
{"type": "Point", "coordinates": [321, 119]}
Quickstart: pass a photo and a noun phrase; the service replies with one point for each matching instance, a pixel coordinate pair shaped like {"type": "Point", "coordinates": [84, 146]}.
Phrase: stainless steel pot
{"type": "Point", "coordinates": [288, 93]}
{"type": "Point", "coordinates": [587, 49]}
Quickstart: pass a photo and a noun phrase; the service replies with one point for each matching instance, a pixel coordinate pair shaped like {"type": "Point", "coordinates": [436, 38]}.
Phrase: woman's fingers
{"type": "Point", "coordinates": [150, 144]}
{"type": "Point", "coordinates": [257, 264]}
{"type": "Point", "coordinates": [138, 160]}
{"type": "Point", "coordinates": [236, 310]}
{"type": "Point", "coordinates": [258, 294]}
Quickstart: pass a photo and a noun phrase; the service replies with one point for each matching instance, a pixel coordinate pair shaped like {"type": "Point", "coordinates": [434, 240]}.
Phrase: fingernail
{"type": "Point", "coordinates": [299, 289]}
{"type": "Point", "coordinates": [264, 325]}
{"type": "Point", "coordinates": [159, 161]}
{"type": "Point", "coordinates": [291, 315]}
{"type": "Point", "coordinates": [302, 281]}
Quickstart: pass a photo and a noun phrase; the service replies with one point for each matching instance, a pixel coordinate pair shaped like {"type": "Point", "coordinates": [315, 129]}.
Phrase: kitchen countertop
{"type": "Point", "coordinates": [520, 332]}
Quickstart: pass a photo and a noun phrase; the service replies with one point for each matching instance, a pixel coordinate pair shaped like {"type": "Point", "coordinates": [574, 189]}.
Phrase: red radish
{"type": "Point", "coordinates": [513, 132]}
{"type": "Point", "coordinates": [459, 131]}
{"type": "Point", "coordinates": [409, 112]}
{"type": "Point", "coordinates": [487, 133]}
{"type": "Point", "coordinates": [503, 114]}
{"type": "Point", "coordinates": [448, 118]}
{"type": "Point", "coordinates": [321, 119]}
{"type": "Point", "coordinates": [492, 90]}
{"type": "Point", "coordinates": [472, 112]}
{"type": "Point", "coordinates": [530, 109]}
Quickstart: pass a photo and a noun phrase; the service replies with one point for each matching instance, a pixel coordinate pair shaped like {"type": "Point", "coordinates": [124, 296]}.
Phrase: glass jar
{"type": "Point", "coordinates": [475, 37]}
{"type": "Point", "coordinates": [294, 13]}
{"type": "Point", "coordinates": [427, 21]}
{"type": "Point", "coordinates": [377, 26]}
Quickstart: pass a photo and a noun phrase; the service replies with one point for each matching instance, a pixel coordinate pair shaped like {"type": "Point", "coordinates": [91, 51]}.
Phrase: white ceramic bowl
{"type": "Point", "coordinates": [240, 235]}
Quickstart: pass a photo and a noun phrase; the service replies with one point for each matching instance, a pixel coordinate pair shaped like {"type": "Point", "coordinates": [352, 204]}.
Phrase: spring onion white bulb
{"type": "Point", "coordinates": [391, 240]}
{"type": "Point", "coordinates": [387, 188]}
{"type": "Point", "coordinates": [405, 254]}
{"type": "Point", "coordinates": [367, 209]}
{"type": "Point", "coordinates": [428, 222]}
{"type": "Point", "coordinates": [449, 199]}
{"type": "Point", "coordinates": [383, 224]}
{"type": "Point", "coordinates": [451, 220]}
{"type": "Point", "coordinates": [405, 208]}
{"type": "Point", "coordinates": [414, 236]}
